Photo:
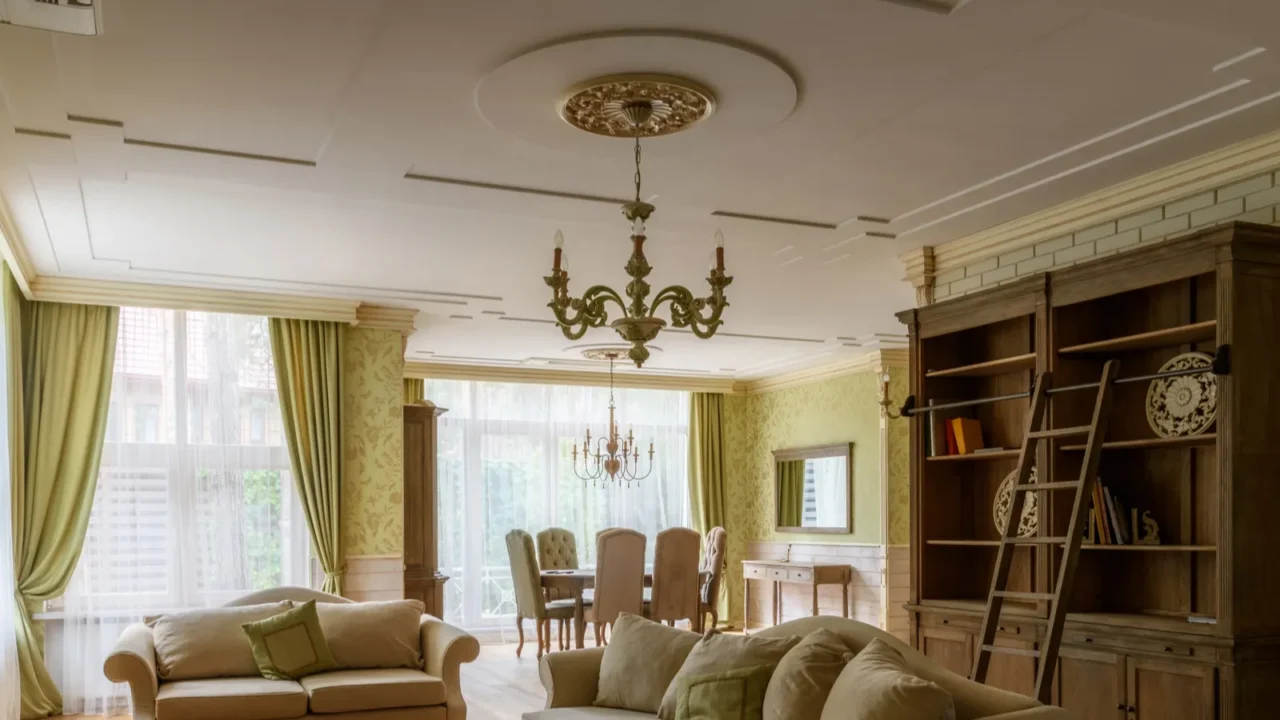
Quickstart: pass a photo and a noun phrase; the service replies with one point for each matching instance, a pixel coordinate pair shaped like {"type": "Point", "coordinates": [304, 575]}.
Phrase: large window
{"type": "Point", "coordinates": [195, 502]}
{"type": "Point", "coordinates": [505, 462]}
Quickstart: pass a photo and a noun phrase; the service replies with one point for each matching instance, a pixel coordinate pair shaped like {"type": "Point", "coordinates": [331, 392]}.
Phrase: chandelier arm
{"type": "Point", "coordinates": [686, 310]}
{"type": "Point", "coordinates": [590, 310]}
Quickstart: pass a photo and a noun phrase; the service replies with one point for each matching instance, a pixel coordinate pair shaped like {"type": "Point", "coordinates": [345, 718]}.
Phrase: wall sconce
{"type": "Point", "coordinates": [886, 405]}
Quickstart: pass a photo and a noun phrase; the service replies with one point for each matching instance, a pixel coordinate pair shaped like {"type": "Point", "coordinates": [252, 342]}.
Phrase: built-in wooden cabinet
{"type": "Point", "coordinates": [1189, 628]}
{"type": "Point", "coordinates": [422, 578]}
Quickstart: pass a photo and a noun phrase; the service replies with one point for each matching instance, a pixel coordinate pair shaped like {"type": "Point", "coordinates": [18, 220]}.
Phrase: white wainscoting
{"type": "Point", "coordinates": [898, 590]}
{"type": "Point", "coordinates": [866, 592]}
{"type": "Point", "coordinates": [374, 577]}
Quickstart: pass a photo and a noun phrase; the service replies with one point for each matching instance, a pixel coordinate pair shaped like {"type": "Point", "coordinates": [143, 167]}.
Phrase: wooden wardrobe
{"type": "Point", "coordinates": [422, 578]}
{"type": "Point", "coordinates": [1187, 629]}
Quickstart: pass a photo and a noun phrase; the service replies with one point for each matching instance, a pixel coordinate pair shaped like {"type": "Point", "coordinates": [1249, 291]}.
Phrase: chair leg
{"type": "Point", "coordinates": [715, 617]}
{"type": "Point", "coordinates": [541, 630]}
{"type": "Point", "coordinates": [520, 632]}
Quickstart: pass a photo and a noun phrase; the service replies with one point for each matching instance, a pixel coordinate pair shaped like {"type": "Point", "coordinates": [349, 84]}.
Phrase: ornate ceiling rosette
{"type": "Point", "coordinates": [597, 106]}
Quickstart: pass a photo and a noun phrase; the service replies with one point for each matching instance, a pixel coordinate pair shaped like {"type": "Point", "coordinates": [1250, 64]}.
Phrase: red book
{"type": "Point", "coordinates": [951, 440]}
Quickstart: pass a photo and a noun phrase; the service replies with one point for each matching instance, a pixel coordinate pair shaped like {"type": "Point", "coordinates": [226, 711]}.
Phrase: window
{"type": "Point", "coordinates": [505, 462]}
{"type": "Point", "coordinates": [146, 423]}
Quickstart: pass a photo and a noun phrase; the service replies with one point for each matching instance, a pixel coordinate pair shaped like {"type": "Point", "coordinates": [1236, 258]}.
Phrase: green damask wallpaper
{"type": "Point", "coordinates": [841, 409]}
{"type": "Point", "coordinates": [373, 436]}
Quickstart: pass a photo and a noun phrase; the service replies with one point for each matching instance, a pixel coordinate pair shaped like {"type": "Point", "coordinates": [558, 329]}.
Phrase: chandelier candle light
{"type": "Point", "coordinates": [614, 456]}
{"type": "Point", "coordinates": [636, 106]}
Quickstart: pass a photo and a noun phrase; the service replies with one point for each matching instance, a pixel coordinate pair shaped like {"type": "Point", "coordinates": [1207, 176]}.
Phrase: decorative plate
{"type": "Point", "coordinates": [1030, 520]}
{"type": "Point", "coordinates": [1183, 405]}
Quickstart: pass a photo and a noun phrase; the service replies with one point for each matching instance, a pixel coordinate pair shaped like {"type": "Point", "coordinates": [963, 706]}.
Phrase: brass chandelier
{"type": "Point", "coordinates": [641, 105]}
{"type": "Point", "coordinates": [613, 455]}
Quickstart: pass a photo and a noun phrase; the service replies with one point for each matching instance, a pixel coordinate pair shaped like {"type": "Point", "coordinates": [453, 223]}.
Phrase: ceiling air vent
{"type": "Point", "coordinates": [78, 17]}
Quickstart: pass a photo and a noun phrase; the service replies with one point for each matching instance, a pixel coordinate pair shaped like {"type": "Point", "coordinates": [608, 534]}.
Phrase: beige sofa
{"type": "Point", "coordinates": [570, 679]}
{"type": "Point", "coordinates": [433, 693]}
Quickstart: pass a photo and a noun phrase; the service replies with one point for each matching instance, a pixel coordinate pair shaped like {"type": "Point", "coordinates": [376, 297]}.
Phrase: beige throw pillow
{"type": "Point", "coordinates": [209, 643]}
{"type": "Point", "coordinates": [639, 663]}
{"type": "Point", "coordinates": [367, 635]}
{"type": "Point", "coordinates": [716, 653]}
{"type": "Point", "coordinates": [803, 679]}
{"type": "Point", "coordinates": [877, 685]}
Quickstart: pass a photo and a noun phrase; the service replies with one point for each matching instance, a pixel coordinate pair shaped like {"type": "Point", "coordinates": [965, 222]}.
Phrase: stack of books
{"type": "Point", "coordinates": [953, 434]}
{"type": "Point", "coordinates": [1108, 518]}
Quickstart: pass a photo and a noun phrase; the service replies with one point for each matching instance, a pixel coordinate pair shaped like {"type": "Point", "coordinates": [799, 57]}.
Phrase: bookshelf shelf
{"type": "Point", "coordinates": [1151, 548]}
{"type": "Point", "coordinates": [994, 455]}
{"type": "Point", "coordinates": [964, 543]}
{"type": "Point", "coordinates": [1159, 621]}
{"type": "Point", "coordinates": [1192, 333]}
{"type": "Point", "coordinates": [1151, 443]}
{"type": "Point", "coordinates": [1016, 363]}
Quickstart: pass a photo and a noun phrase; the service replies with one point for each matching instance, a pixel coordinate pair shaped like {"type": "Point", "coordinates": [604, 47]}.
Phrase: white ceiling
{"type": "Point", "coordinates": [828, 110]}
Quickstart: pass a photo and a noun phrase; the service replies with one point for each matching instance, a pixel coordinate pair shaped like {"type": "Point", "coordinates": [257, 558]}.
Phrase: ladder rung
{"type": "Point", "coordinates": [1035, 541]}
{"type": "Point", "coordinates": [1051, 485]}
{"type": "Point", "coordinates": [1062, 432]}
{"type": "Point", "coordinates": [1015, 595]}
{"type": "Point", "coordinates": [1011, 651]}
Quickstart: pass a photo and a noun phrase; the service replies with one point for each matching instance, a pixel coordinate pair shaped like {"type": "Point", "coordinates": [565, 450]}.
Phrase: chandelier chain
{"type": "Point", "coordinates": [637, 164]}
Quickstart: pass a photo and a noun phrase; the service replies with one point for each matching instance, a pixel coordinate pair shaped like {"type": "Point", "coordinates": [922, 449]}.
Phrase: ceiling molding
{"type": "Point", "coordinates": [921, 269]}
{"type": "Point", "coordinates": [111, 292]}
{"type": "Point", "coordinates": [1234, 162]}
{"type": "Point", "coordinates": [874, 360]}
{"type": "Point", "coordinates": [380, 317]}
{"type": "Point", "coordinates": [544, 376]}
{"type": "Point", "coordinates": [14, 252]}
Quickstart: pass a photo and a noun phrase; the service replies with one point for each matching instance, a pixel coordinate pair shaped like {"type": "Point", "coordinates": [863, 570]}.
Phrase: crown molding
{"type": "Point", "coordinates": [14, 252]}
{"type": "Point", "coordinates": [380, 317]}
{"type": "Point", "coordinates": [921, 269]}
{"type": "Point", "coordinates": [876, 360]}
{"type": "Point", "coordinates": [1234, 162]}
{"type": "Point", "coordinates": [173, 297]}
{"type": "Point", "coordinates": [545, 376]}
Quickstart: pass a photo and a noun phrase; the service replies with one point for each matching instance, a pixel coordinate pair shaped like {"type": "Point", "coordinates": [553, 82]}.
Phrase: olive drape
{"type": "Point", "coordinates": [60, 358]}
{"type": "Point", "coordinates": [790, 493]}
{"type": "Point", "coordinates": [415, 390]}
{"type": "Point", "coordinates": [706, 470]}
{"type": "Point", "coordinates": [308, 359]}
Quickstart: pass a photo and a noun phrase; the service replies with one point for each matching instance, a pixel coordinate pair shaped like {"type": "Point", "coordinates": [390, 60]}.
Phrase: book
{"type": "Point", "coordinates": [1122, 515]}
{"type": "Point", "coordinates": [1099, 506]}
{"type": "Point", "coordinates": [1115, 519]}
{"type": "Point", "coordinates": [968, 434]}
{"type": "Point", "coordinates": [951, 438]}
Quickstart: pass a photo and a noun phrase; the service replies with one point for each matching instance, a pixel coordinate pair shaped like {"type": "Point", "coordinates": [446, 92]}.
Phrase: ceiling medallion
{"type": "Point", "coordinates": [639, 322]}
{"type": "Point", "coordinates": [597, 106]}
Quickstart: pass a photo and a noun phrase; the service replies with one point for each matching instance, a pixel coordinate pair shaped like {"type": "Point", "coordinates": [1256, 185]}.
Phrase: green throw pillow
{"type": "Point", "coordinates": [730, 695]}
{"type": "Point", "coordinates": [290, 645]}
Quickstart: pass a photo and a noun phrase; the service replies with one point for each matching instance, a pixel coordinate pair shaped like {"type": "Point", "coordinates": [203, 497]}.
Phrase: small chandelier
{"type": "Point", "coordinates": [614, 456]}
{"type": "Point", "coordinates": [644, 106]}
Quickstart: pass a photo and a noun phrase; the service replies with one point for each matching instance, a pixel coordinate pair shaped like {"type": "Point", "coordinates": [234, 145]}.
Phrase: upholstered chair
{"type": "Point", "coordinates": [713, 561]}
{"type": "Point", "coordinates": [530, 601]}
{"type": "Point", "coordinates": [676, 594]}
{"type": "Point", "coordinates": [619, 584]}
{"type": "Point", "coordinates": [558, 550]}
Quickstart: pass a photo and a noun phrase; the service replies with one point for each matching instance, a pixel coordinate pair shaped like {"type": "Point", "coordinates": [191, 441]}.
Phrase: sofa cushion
{"type": "Point", "coordinates": [208, 643]}
{"type": "Point", "coordinates": [730, 695]}
{"type": "Point", "coordinates": [639, 662]}
{"type": "Point", "coordinates": [878, 685]}
{"type": "Point", "coordinates": [717, 652]}
{"type": "Point", "coordinates": [586, 713]}
{"type": "Point", "coordinates": [253, 698]}
{"type": "Point", "coordinates": [355, 690]}
{"type": "Point", "coordinates": [368, 635]}
{"type": "Point", "coordinates": [804, 677]}
{"type": "Point", "coordinates": [290, 645]}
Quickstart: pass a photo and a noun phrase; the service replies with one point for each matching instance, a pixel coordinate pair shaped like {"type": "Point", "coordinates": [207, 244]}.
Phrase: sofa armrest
{"type": "Point", "coordinates": [1044, 712]}
{"type": "Point", "coordinates": [571, 678]}
{"type": "Point", "coordinates": [133, 661]}
{"type": "Point", "coordinates": [444, 649]}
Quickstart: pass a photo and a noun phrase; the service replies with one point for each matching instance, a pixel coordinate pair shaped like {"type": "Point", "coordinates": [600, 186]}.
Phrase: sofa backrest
{"type": "Point", "coordinates": [972, 700]}
{"type": "Point", "coordinates": [285, 592]}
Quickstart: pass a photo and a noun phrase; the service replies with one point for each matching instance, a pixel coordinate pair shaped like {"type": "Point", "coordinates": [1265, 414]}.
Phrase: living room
{"type": "Point", "coordinates": [339, 386]}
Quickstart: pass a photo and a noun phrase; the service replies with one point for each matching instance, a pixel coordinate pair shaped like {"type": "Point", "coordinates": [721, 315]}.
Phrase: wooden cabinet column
{"type": "Point", "coordinates": [422, 578]}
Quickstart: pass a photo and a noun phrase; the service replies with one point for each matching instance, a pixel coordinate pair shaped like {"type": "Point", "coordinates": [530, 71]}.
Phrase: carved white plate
{"type": "Point", "coordinates": [1030, 520]}
{"type": "Point", "coordinates": [1183, 405]}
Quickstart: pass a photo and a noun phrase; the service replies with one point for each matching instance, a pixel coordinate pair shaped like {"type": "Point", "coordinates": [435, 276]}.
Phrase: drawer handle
{"type": "Point", "coordinates": [1168, 649]}
{"type": "Point", "coordinates": [946, 622]}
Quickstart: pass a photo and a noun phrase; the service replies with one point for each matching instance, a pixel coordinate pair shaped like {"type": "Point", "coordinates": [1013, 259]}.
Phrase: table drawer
{"type": "Point", "coordinates": [753, 571]}
{"type": "Point", "coordinates": [805, 575]}
{"type": "Point", "coordinates": [777, 573]}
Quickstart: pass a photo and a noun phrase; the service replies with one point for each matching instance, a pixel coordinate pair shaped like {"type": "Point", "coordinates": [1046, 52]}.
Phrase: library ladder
{"type": "Point", "coordinates": [1096, 430]}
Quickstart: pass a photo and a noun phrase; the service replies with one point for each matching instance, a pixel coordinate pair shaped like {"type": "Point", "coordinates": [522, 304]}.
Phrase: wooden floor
{"type": "Point", "coordinates": [497, 685]}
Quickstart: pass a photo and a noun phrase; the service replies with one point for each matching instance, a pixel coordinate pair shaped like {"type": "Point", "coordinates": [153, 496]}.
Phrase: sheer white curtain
{"type": "Point", "coordinates": [10, 691]}
{"type": "Point", "coordinates": [505, 463]}
{"type": "Point", "coordinates": [831, 488]}
{"type": "Point", "coordinates": [195, 502]}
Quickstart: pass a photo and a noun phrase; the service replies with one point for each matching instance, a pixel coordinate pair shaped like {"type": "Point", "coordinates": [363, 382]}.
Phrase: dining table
{"type": "Point", "coordinates": [579, 580]}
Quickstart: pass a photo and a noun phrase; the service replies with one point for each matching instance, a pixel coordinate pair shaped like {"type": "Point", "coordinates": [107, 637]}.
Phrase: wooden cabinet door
{"type": "Point", "coordinates": [1091, 684]}
{"type": "Point", "coordinates": [952, 649]}
{"type": "Point", "coordinates": [1161, 690]}
{"type": "Point", "coordinates": [1015, 673]}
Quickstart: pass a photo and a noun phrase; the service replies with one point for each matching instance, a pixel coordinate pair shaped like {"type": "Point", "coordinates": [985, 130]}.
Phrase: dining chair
{"type": "Point", "coordinates": [530, 601]}
{"type": "Point", "coordinates": [713, 561]}
{"type": "Point", "coordinates": [619, 582]}
{"type": "Point", "coordinates": [558, 550]}
{"type": "Point", "coordinates": [675, 594]}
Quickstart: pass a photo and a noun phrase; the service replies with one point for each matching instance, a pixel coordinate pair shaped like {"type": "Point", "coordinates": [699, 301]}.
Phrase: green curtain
{"type": "Point", "coordinates": [706, 470]}
{"type": "Point", "coordinates": [790, 493]}
{"type": "Point", "coordinates": [415, 390]}
{"type": "Point", "coordinates": [60, 359]}
{"type": "Point", "coordinates": [308, 360]}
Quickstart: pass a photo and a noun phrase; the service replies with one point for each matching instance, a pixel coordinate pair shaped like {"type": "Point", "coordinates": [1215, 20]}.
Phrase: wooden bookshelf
{"type": "Point", "coordinates": [1151, 548]}
{"type": "Point", "coordinates": [1181, 335]}
{"type": "Point", "coordinates": [965, 543]}
{"type": "Point", "coordinates": [993, 455]}
{"type": "Point", "coordinates": [1016, 363]}
{"type": "Point", "coordinates": [1152, 443]}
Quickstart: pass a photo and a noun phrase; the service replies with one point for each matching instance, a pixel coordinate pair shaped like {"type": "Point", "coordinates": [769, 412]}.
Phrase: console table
{"type": "Point", "coordinates": [781, 571]}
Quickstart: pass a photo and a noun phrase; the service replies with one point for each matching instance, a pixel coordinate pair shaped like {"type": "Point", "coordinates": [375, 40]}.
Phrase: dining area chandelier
{"type": "Point", "coordinates": [637, 106]}
{"type": "Point", "coordinates": [611, 457]}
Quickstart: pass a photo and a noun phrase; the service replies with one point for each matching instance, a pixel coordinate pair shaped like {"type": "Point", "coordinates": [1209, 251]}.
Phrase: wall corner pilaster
{"type": "Point", "coordinates": [919, 265]}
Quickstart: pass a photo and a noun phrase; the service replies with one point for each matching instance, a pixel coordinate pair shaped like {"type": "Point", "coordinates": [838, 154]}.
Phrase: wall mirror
{"type": "Point", "coordinates": [812, 489]}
